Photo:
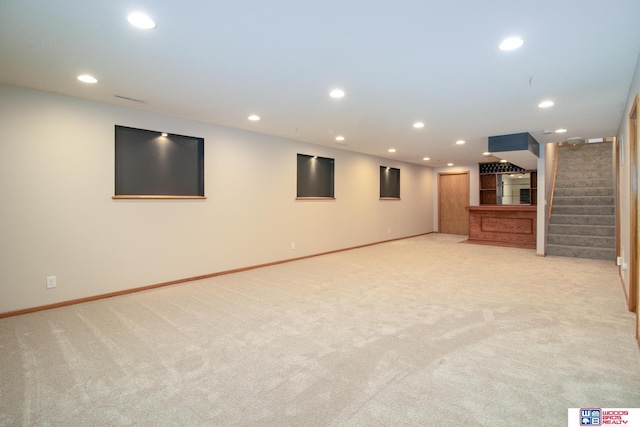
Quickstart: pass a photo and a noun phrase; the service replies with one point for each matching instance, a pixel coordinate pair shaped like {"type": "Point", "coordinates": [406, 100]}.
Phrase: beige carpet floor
{"type": "Point", "coordinates": [424, 331]}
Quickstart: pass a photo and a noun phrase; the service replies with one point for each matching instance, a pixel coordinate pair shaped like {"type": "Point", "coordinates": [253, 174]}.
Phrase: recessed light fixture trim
{"type": "Point", "coordinates": [86, 78]}
{"type": "Point", "coordinates": [511, 43]}
{"type": "Point", "coordinates": [546, 104]}
{"type": "Point", "coordinates": [561, 130]}
{"type": "Point", "coordinates": [418, 125]}
{"type": "Point", "coordinates": [460, 142]}
{"type": "Point", "coordinates": [426, 158]}
{"type": "Point", "coordinates": [140, 20]}
{"type": "Point", "coordinates": [336, 93]}
{"type": "Point", "coordinates": [340, 138]}
{"type": "Point", "coordinates": [254, 118]}
{"type": "Point", "coordinates": [486, 153]}
{"type": "Point", "coordinates": [392, 150]}
{"type": "Point", "coordinates": [449, 164]}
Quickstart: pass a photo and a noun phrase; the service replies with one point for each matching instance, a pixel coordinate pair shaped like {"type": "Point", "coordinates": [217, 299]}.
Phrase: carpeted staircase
{"type": "Point", "coordinates": [582, 222]}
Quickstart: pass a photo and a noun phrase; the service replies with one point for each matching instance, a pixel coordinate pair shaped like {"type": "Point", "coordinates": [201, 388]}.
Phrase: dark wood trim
{"type": "Point", "coordinates": [617, 151]}
{"type": "Point", "coordinates": [553, 179]}
{"type": "Point", "coordinates": [390, 198]}
{"type": "Point", "coordinates": [188, 279]}
{"type": "Point", "coordinates": [315, 198]}
{"type": "Point", "coordinates": [129, 197]}
{"type": "Point", "coordinates": [633, 211]}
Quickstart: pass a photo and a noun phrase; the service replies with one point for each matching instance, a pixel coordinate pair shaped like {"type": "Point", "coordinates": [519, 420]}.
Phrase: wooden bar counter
{"type": "Point", "coordinates": [503, 225]}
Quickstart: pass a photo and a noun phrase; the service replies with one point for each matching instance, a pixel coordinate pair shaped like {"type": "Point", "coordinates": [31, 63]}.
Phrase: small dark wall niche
{"type": "Point", "coordinates": [315, 177]}
{"type": "Point", "coordinates": [148, 164]}
{"type": "Point", "coordinates": [389, 183]}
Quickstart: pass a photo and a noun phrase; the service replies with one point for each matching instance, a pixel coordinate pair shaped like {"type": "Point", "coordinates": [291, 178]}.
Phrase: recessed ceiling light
{"type": "Point", "coordinates": [460, 142]}
{"type": "Point", "coordinates": [418, 125]}
{"type": "Point", "coordinates": [339, 138]}
{"type": "Point", "coordinates": [449, 164]}
{"type": "Point", "coordinates": [560, 130]}
{"type": "Point", "coordinates": [503, 161]}
{"type": "Point", "coordinates": [164, 134]}
{"type": "Point", "coordinates": [140, 20]}
{"type": "Point", "coordinates": [87, 78]}
{"type": "Point", "coordinates": [426, 158]}
{"type": "Point", "coordinates": [336, 93]}
{"type": "Point", "coordinates": [392, 150]}
{"type": "Point", "coordinates": [545, 104]}
{"type": "Point", "coordinates": [254, 118]}
{"type": "Point", "coordinates": [511, 43]}
{"type": "Point", "coordinates": [486, 153]}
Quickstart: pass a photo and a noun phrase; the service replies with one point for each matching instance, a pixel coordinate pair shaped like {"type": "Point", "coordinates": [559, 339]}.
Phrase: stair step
{"type": "Point", "coordinates": [576, 240]}
{"type": "Point", "coordinates": [583, 230]}
{"type": "Point", "coordinates": [594, 161]}
{"type": "Point", "coordinates": [583, 191]}
{"type": "Point", "coordinates": [583, 219]}
{"type": "Point", "coordinates": [581, 252]}
{"type": "Point", "coordinates": [589, 173]}
{"type": "Point", "coordinates": [583, 183]}
{"type": "Point", "coordinates": [583, 200]}
{"type": "Point", "coordinates": [582, 209]}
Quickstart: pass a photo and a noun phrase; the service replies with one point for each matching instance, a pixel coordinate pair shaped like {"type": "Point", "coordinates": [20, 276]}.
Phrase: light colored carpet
{"type": "Point", "coordinates": [418, 332]}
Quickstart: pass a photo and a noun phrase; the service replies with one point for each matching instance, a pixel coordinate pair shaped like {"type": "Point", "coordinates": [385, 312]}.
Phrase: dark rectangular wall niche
{"type": "Point", "coordinates": [149, 164]}
{"type": "Point", "coordinates": [389, 183]}
{"type": "Point", "coordinates": [315, 176]}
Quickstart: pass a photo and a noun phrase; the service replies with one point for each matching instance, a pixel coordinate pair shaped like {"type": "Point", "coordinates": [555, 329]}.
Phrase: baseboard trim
{"type": "Point", "coordinates": [189, 279]}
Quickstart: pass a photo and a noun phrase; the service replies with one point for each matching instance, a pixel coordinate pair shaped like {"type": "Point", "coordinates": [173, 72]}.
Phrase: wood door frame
{"type": "Point", "coordinates": [633, 214]}
{"type": "Point", "coordinates": [440, 194]}
{"type": "Point", "coordinates": [617, 152]}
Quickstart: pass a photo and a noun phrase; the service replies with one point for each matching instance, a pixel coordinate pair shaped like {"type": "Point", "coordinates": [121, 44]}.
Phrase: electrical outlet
{"type": "Point", "coordinates": [293, 245]}
{"type": "Point", "coordinates": [51, 282]}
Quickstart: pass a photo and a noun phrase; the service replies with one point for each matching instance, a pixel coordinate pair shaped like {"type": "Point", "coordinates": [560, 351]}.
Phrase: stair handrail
{"type": "Point", "coordinates": [553, 180]}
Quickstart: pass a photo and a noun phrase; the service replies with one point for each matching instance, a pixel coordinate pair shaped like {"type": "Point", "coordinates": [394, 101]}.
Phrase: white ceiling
{"type": "Point", "coordinates": [398, 62]}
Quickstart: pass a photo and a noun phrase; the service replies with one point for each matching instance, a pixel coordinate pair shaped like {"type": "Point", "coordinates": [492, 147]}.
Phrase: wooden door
{"type": "Point", "coordinates": [453, 197]}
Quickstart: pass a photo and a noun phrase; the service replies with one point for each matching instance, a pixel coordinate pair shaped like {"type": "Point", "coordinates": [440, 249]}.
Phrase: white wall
{"type": "Point", "coordinates": [625, 178]}
{"type": "Point", "coordinates": [57, 215]}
